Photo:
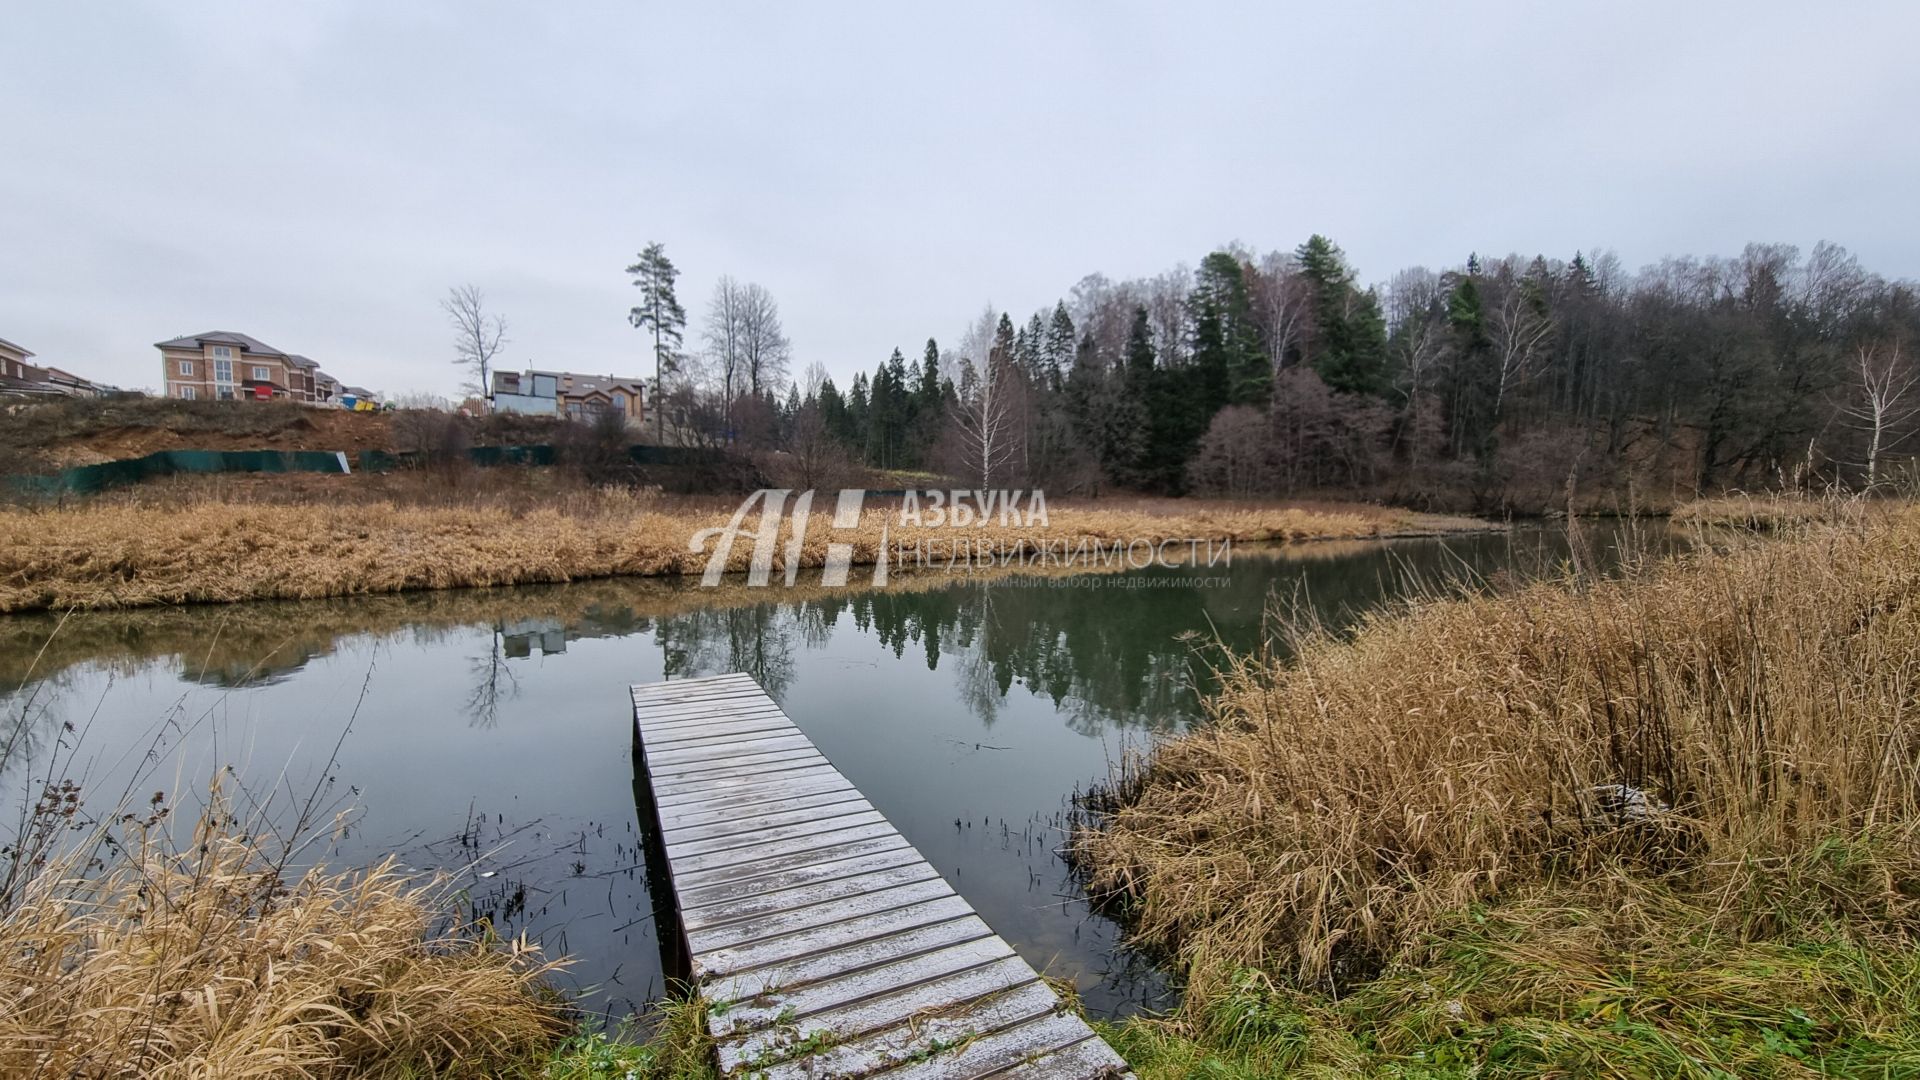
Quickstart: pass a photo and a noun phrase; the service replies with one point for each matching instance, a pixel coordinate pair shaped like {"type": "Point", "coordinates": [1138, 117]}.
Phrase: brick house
{"type": "Point", "coordinates": [221, 365]}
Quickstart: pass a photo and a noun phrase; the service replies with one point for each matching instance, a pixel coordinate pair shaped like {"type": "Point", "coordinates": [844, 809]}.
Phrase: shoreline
{"type": "Point", "coordinates": [113, 555]}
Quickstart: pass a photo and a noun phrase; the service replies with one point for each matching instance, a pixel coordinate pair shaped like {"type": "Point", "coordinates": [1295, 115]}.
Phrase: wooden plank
{"type": "Point", "coordinates": [876, 1034]}
{"type": "Point", "coordinates": [798, 1003]}
{"type": "Point", "coordinates": [738, 787]}
{"type": "Point", "coordinates": [1090, 1057]}
{"type": "Point", "coordinates": [708, 813]}
{"type": "Point", "coordinates": [750, 743]}
{"type": "Point", "coordinates": [832, 936]}
{"type": "Point", "coordinates": [780, 863]}
{"type": "Point", "coordinates": [844, 803]}
{"type": "Point", "coordinates": [846, 909]}
{"type": "Point", "coordinates": [767, 903]}
{"type": "Point", "coordinates": [830, 947]}
{"type": "Point", "coordinates": [705, 840]}
{"type": "Point", "coordinates": [743, 757]}
{"type": "Point", "coordinates": [789, 975]}
{"type": "Point", "coordinates": [1014, 1045]}
{"type": "Point", "coordinates": [745, 860]}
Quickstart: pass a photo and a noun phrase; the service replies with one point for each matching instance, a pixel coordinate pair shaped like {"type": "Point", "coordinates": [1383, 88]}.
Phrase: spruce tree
{"type": "Point", "coordinates": [1350, 339]}
{"type": "Point", "coordinates": [1221, 288]}
{"type": "Point", "coordinates": [1061, 353]}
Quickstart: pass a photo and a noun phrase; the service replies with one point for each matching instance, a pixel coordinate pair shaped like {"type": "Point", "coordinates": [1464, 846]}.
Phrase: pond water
{"type": "Point", "coordinates": [488, 732]}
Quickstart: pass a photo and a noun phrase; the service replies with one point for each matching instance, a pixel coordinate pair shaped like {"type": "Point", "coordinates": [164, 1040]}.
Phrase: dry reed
{"type": "Point", "coordinates": [204, 961]}
{"type": "Point", "coordinates": [109, 554]}
{"type": "Point", "coordinates": [1709, 723]}
{"type": "Point", "coordinates": [1765, 511]}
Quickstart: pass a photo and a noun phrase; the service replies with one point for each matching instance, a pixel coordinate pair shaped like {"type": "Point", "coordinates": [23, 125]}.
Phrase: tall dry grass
{"type": "Point", "coordinates": [121, 553]}
{"type": "Point", "coordinates": [1740, 727]}
{"type": "Point", "coordinates": [206, 960]}
{"type": "Point", "coordinates": [1766, 511]}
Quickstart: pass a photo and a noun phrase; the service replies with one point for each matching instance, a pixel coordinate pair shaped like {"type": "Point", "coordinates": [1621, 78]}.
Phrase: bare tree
{"type": "Point", "coordinates": [814, 457]}
{"type": "Point", "coordinates": [1283, 302]}
{"type": "Point", "coordinates": [725, 333]}
{"type": "Point", "coordinates": [1521, 330]}
{"type": "Point", "coordinates": [1233, 457]}
{"type": "Point", "coordinates": [813, 379]}
{"type": "Point", "coordinates": [1885, 382]}
{"type": "Point", "coordinates": [477, 335]}
{"type": "Point", "coordinates": [764, 349]}
{"type": "Point", "coordinates": [986, 418]}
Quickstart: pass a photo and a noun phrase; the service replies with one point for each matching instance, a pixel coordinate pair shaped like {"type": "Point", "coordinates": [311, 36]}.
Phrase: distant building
{"type": "Point", "coordinates": [21, 379]}
{"type": "Point", "coordinates": [563, 393]}
{"type": "Point", "coordinates": [13, 361]}
{"type": "Point", "coordinates": [221, 365]}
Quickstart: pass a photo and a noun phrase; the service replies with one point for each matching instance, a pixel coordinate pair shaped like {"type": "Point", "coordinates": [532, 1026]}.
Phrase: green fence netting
{"type": "Point", "coordinates": [84, 479]}
{"type": "Point", "coordinates": [486, 456]}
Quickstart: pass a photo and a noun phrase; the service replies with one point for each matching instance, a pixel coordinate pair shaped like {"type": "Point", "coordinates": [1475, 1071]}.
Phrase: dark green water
{"type": "Point", "coordinates": [488, 731]}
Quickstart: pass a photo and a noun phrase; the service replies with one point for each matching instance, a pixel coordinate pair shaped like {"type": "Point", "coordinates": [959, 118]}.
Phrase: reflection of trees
{"type": "Point", "coordinates": [757, 639]}
{"type": "Point", "coordinates": [1102, 655]}
{"type": "Point", "coordinates": [493, 682]}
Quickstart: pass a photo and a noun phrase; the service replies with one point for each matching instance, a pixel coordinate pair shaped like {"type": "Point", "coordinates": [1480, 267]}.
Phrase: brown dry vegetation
{"type": "Point", "coordinates": [204, 961]}
{"type": "Point", "coordinates": [121, 552]}
{"type": "Point", "coordinates": [1347, 807]}
{"type": "Point", "coordinates": [1765, 511]}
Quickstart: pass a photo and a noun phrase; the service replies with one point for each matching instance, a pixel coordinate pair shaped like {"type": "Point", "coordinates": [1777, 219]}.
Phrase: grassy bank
{"type": "Point", "coordinates": [128, 552]}
{"type": "Point", "coordinates": [1665, 826]}
{"type": "Point", "coordinates": [129, 955]}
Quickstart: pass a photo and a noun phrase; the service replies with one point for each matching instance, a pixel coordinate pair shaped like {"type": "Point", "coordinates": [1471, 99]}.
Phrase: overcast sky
{"type": "Point", "coordinates": [317, 174]}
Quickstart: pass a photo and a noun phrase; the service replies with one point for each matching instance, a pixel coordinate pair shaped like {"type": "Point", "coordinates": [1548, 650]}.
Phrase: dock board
{"type": "Point", "coordinates": [823, 941]}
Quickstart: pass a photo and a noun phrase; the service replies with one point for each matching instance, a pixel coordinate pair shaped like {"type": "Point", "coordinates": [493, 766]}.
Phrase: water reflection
{"type": "Point", "coordinates": [490, 735]}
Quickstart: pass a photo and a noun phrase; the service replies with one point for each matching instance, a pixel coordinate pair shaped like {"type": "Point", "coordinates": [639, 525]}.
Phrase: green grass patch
{"type": "Point", "coordinates": [678, 1048]}
{"type": "Point", "coordinates": [1537, 991]}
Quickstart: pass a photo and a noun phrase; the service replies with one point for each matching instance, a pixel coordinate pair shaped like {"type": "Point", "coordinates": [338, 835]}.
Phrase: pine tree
{"type": "Point", "coordinates": [833, 413]}
{"type": "Point", "coordinates": [1472, 378]}
{"type": "Point", "coordinates": [1034, 362]}
{"type": "Point", "coordinates": [1129, 440]}
{"type": "Point", "coordinates": [659, 312]}
{"type": "Point", "coordinates": [1221, 290]}
{"type": "Point", "coordinates": [858, 412]}
{"type": "Point", "coordinates": [1350, 339]}
{"type": "Point", "coordinates": [1060, 351]}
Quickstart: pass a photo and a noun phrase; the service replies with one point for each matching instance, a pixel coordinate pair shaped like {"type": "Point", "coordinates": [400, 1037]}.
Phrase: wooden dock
{"type": "Point", "coordinates": [825, 945]}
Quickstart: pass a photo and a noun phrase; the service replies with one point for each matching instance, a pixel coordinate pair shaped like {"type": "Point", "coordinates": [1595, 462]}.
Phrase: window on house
{"type": "Point", "coordinates": [186, 367]}
{"type": "Point", "coordinates": [619, 401]}
{"type": "Point", "coordinates": [261, 374]}
{"type": "Point", "coordinates": [189, 393]}
{"type": "Point", "coordinates": [223, 352]}
{"type": "Point", "coordinates": [223, 371]}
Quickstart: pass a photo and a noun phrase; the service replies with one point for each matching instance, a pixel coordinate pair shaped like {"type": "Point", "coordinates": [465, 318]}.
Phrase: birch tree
{"type": "Point", "coordinates": [477, 335]}
{"type": "Point", "coordinates": [1886, 401]}
{"type": "Point", "coordinates": [764, 349]}
{"type": "Point", "coordinates": [723, 334]}
{"type": "Point", "coordinates": [986, 418]}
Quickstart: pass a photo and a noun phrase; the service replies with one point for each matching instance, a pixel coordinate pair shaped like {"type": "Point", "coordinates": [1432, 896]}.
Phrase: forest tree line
{"type": "Point", "coordinates": [1500, 383]}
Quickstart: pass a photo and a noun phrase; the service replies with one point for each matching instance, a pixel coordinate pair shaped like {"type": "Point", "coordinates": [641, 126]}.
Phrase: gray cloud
{"type": "Point", "coordinates": [317, 175]}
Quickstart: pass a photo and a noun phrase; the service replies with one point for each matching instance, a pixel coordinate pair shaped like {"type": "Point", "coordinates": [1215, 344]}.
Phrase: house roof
{"type": "Point", "coordinates": [302, 362]}
{"type": "Point", "coordinates": [10, 385]}
{"type": "Point", "coordinates": [221, 337]}
{"type": "Point", "coordinates": [575, 383]}
{"type": "Point", "coordinates": [16, 348]}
